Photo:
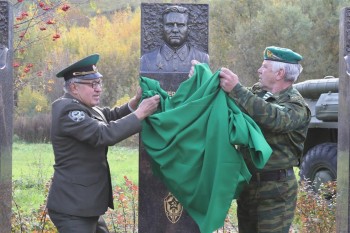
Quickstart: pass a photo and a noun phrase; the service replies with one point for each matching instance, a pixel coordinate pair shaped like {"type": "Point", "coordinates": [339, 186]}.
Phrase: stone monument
{"type": "Point", "coordinates": [343, 169]}
{"type": "Point", "coordinates": [6, 112]}
{"type": "Point", "coordinates": [171, 36]}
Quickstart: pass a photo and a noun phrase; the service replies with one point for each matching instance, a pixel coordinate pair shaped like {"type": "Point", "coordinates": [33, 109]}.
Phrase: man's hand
{"type": "Point", "coordinates": [228, 80]}
{"type": "Point", "coordinates": [134, 101]}
{"type": "Point", "coordinates": [147, 107]}
{"type": "Point", "coordinates": [193, 63]}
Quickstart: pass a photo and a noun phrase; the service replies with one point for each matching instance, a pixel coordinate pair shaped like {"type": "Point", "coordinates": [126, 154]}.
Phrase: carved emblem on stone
{"type": "Point", "coordinates": [173, 208]}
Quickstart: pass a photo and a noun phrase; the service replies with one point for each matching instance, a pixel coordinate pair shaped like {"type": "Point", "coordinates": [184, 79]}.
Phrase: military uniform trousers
{"type": "Point", "coordinates": [75, 224]}
{"type": "Point", "coordinates": [267, 203]}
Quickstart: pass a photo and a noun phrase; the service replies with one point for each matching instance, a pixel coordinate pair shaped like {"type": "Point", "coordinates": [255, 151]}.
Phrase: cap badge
{"type": "Point", "coordinates": [269, 53]}
{"type": "Point", "coordinates": [93, 71]}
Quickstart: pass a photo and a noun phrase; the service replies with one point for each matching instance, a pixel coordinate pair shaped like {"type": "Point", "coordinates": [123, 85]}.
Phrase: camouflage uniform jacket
{"type": "Point", "coordinates": [283, 118]}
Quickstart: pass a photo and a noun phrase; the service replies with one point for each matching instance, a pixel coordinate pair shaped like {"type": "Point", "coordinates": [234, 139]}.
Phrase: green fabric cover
{"type": "Point", "coordinates": [192, 140]}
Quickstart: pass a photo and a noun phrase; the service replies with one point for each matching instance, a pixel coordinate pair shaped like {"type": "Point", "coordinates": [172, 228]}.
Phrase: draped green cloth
{"type": "Point", "coordinates": [192, 141]}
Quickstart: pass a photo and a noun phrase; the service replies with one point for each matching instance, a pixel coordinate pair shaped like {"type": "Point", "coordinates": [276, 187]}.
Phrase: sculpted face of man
{"type": "Point", "coordinates": [175, 29]}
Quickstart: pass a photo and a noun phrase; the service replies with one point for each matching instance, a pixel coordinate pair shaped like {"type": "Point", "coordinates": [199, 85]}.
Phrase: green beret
{"type": "Point", "coordinates": [282, 55]}
{"type": "Point", "coordinates": [83, 69]}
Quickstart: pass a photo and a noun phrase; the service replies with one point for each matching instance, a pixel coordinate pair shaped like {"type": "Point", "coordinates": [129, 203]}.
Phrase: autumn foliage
{"type": "Point", "coordinates": [63, 34]}
{"type": "Point", "coordinates": [315, 211]}
{"type": "Point", "coordinates": [51, 34]}
{"type": "Point", "coordinates": [31, 18]}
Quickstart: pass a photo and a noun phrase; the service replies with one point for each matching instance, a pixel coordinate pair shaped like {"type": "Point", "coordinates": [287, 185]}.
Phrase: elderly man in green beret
{"type": "Point", "coordinates": [81, 132]}
{"type": "Point", "coordinates": [268, 203]}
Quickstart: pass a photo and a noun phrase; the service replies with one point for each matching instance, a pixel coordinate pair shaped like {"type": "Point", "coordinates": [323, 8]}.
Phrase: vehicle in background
{"type": "Point", "coordinates": [319, 162]}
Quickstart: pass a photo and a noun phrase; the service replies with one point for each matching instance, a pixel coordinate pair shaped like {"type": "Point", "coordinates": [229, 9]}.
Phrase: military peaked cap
{"type": "Point", "coordinates": [285, 55]}
{"type": "Point", "coordinates": [83, 69]}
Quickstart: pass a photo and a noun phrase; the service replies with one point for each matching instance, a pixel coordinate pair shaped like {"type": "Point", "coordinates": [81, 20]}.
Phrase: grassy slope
{"type": "Point", "coordinates": [32, 168]}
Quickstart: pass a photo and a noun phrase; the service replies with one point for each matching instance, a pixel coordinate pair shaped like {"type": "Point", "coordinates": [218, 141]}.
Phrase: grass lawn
{"type": "Point", "coordinates": [32, 169]}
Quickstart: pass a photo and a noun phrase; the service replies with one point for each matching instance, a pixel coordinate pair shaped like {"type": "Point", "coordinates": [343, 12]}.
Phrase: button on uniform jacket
{"type": "Point", "coordinates": [80, 137]}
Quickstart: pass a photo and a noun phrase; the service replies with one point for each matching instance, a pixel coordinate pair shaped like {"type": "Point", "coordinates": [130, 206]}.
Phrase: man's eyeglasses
{"type": "Point", "coordinates": [94, 85]}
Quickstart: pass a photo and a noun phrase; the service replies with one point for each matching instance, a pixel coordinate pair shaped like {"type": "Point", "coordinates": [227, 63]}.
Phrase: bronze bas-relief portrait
{"type": "Point", "coordinates": [175, 54]}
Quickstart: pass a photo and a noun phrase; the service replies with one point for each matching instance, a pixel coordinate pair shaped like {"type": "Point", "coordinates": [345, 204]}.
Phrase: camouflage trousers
{"type": "Point", "coordinates": [267, 207]}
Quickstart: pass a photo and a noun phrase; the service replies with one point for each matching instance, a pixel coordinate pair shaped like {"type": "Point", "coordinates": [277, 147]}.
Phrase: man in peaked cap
{"type": "Point", "coordinates": [83, 69]}
{"type": "Point", "coordinates": [81, 132]}
{"type": "Point", "coordinates": [268, 203]}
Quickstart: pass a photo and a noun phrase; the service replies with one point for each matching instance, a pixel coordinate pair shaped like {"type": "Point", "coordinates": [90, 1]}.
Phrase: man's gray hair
{"type": "Point", "coordinates": [292, 70]}
{"type": "Point", "coordinates": [67, 83]}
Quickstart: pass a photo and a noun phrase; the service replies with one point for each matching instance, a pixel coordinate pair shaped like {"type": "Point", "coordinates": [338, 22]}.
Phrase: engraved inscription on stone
{"type": "Point", "coordinates": [3, 22]}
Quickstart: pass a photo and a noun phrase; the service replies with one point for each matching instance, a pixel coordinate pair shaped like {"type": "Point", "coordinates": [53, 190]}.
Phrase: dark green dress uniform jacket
{"type": "Point", "coordinates": [80, 136]}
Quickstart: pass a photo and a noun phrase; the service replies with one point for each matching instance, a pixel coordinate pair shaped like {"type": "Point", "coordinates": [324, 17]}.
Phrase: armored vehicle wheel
{"type": "Point", "coordinates": [319, 165]}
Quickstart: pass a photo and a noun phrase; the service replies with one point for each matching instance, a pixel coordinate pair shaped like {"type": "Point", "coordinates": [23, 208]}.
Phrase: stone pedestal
{"type": "Point", "coordinates": [6, 112]}
{"type": "Point", "coordinates": [343, 170]}
{"type": "Point", "coordinates": [159, 210]}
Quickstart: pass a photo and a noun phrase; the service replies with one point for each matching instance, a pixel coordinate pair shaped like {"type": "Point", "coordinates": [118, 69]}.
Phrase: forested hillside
{"type": "Point", "coordinates": [238, 33]}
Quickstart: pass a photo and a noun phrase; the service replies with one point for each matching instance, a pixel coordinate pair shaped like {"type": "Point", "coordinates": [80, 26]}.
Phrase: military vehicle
{"type": "Point", "coordinates": [319, 162]}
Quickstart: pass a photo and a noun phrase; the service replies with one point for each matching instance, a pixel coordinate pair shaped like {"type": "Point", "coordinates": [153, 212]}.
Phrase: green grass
{"type": "Point", "coordinates": [32, 169]}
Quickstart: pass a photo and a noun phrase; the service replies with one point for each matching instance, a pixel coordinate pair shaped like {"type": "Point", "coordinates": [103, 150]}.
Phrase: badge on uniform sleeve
{"type": "Point", "coordinates": [76, 116]}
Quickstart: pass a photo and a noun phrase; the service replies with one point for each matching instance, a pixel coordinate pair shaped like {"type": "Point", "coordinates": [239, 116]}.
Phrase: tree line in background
{"type": "Point", "coordinates": [239, 30]}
